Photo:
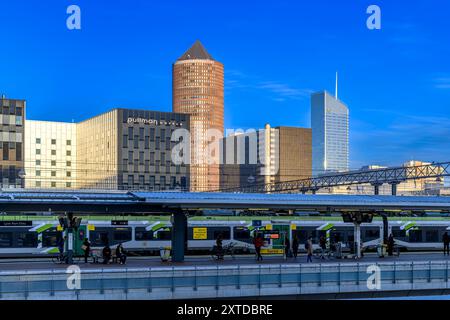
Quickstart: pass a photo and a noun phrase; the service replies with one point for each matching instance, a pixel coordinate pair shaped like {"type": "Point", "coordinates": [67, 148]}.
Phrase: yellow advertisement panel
{"type": "Point", "coordinates": [272, 251]}
{"type": "Point", "coordinates": [293, 227]}
{"type": "Point", "coordinates": [200, 233]}
{"type": "Point", "coordinates": [268, 227]}
{"type": "Point", "coordinates": [91, 227]}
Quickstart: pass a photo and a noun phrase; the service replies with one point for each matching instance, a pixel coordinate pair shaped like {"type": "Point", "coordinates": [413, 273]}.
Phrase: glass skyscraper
{"type": "Point", "coordinates": [329, 123]}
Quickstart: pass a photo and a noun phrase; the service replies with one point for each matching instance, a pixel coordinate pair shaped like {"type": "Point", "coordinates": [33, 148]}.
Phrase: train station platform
{"type": "Point", "coordinates": [203, 260]}
{"type": "Point", "coordinates": [201, 277]}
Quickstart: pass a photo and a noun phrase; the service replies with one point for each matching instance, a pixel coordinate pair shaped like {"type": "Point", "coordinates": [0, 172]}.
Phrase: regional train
{"type": "Point", "coordinates": [40, 238]}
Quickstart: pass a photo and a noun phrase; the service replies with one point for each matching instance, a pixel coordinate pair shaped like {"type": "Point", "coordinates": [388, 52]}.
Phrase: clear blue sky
{"type": "Point", "coordinates": [396, 81]}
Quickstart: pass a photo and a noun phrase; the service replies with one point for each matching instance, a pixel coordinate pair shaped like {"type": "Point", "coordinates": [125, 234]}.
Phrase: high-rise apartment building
{"type": "Point", "coordinates": [12, 118]}
{"type": "Point", "coordinates": [50, 154]}
{"type": "Point", "coordinates": [198, 90]}
{"type": "Point", "coordinates": [330, 128]}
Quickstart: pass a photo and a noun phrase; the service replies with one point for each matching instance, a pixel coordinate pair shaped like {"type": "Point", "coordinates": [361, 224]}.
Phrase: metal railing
{"type": "Point", "coordinates": [327, 277]}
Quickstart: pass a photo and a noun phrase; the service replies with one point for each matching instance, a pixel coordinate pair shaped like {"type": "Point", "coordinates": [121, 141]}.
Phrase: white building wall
{"type": "Point", "coordinates": [50, 155]}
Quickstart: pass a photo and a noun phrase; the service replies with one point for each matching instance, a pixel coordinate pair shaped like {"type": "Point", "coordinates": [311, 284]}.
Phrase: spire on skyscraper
{"type": "Point", "coordinates": [197, 51]}
{"type": "Point", "coordinates": [336, 92]}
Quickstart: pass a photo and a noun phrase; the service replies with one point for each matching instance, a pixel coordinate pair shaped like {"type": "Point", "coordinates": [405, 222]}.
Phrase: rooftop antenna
{"type": "Point", "coordinates": [336, 92]}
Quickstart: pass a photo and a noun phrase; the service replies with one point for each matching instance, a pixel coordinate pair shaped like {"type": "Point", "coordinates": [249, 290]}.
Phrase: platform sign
{"type": "Point", "coordinates": [15, 223]}
{"type": "Point", "coordinates": [269, 227]}
{"type": "Point", "coordinates": [91, 227]}
{"type": "Point", "coordinates": [200, 233]}
{"type": "Point", "coordinates": [293, 227]}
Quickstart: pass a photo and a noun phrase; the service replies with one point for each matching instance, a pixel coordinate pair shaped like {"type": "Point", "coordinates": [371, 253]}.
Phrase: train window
{"type": "Point", "coordinates": [415, 236]}
{"type": "Point", "coordinates": [26, 239]}
{"type": "Point", "coordinates": [214, 232]}
{"type": "Point", "coordinates": [432, 236]}
{"type": "Point", "coordinates": [371, 234]}
{"type": "Point", "coordinates": [165, 234]}
{"type": "Point", "coordinates": [141, 234]}
{"type": "Point", "coordinates": [242, 234]}
{"type": "Point", "coordinates": [121, 235]}
{"type": "Point", "coordinates": [302, 235]}
{"type": "Point", "coordinates": [397, 233]}
{"type": "Point", "coordinates": [5, 239]}
{"type": "Point", "coordinates": [50, 238]}
{"type": "Point", "coordinates": [99, 238]}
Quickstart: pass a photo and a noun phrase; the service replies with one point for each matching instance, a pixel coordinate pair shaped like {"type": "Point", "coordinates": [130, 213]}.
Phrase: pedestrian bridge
{"type": "Point", "coordinates": [229, 281]}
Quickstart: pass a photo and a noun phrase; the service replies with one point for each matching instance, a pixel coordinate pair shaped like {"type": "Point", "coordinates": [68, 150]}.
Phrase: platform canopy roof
{"type": "Point", "coordinates": [167, 202]}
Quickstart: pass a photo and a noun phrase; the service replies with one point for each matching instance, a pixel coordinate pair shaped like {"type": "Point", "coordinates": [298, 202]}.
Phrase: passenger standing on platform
{"type": "Point", "coordinates": [309, 249]}
{"type": "Point", "coordinates": [219, 247]}
{"type": "Point", "coordinates": [106, 254]}
{"type": "Point", "coordinates": [295, 246]}
{"type": "Point", "coordinates": [87, 249]}
{"type": "Point", "coordinates": [60, 244]}
{"type": "Point", "coordinates": [446, 241]}
{"type": "Point", "coordinates": [120, 254]}
{"type": "Point", "coordinates": [390, 246]}
{"type": "Point", "coordinates": [258, 242]}
{"type": "Point", "coordinates": [287, 247]}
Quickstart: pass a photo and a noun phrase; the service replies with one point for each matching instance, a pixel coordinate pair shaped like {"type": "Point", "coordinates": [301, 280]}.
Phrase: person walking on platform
{"type": "Point", "coordinates": [390, 246]}
{"type": "Point", "coordinates": [446, 241]}
{"type": "Point", "coordinates": [295, 246]}
{"type": "Point", "coordinates": [258, 242]}
{"type": "Point", "coordinates": [309, 249]}
{"type": "Point", "coordinates": [87, 249]}
{"type": "Point", "coordinates": [287, 247]}
{"type": "Point", "coordinates": [323, 246]}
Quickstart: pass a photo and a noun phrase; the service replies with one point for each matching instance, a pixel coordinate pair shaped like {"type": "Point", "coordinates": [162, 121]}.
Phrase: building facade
{"type": "Point", "coordinates": [198, 90]}
{"type": "Point", "coordinates": [50, 155]}
{"type": "Point", "coordinates": [330, 134]}
{"type": "Point", "coordinates": [12, 119]}
{"type": "Point", "coordinates": [270, 155]}
{"type": "Point", "coordinates": [131, 150]}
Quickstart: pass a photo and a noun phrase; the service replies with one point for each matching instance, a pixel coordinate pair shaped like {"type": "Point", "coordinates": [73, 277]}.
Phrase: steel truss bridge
{"type": "Point", "coordinates": [375, 177]}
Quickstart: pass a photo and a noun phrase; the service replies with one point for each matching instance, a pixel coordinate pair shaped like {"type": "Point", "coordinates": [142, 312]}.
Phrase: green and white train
{"type": "Point", "coordinates": [37, 238]}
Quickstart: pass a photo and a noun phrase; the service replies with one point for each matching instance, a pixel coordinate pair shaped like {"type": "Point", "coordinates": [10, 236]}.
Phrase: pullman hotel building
{"type": "Point", "coordinates": [118, 150]}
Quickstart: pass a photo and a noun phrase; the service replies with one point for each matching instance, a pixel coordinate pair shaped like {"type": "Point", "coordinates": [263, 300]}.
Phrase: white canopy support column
{"type": "Point", "coordinates": [357, 239]}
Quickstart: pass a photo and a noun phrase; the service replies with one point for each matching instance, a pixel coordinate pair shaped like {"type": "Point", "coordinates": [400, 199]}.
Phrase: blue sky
{"type": "Point", "coordinates": [396, 81]}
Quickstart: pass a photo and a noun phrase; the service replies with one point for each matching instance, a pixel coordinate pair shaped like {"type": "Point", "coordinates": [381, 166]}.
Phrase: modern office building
{"type": "Point", "coordinates": [270, 155]}
{"type": "Point", "coordinates": [12, 118]}
{"type": "Point", "coordinates": [131, 149]}
{"type": "Point", "coordinates": [198, 90]}
{"type": "Point", "coordinates": [330, 128]}
{"type": "Point", "coordinates": [50, 155]}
